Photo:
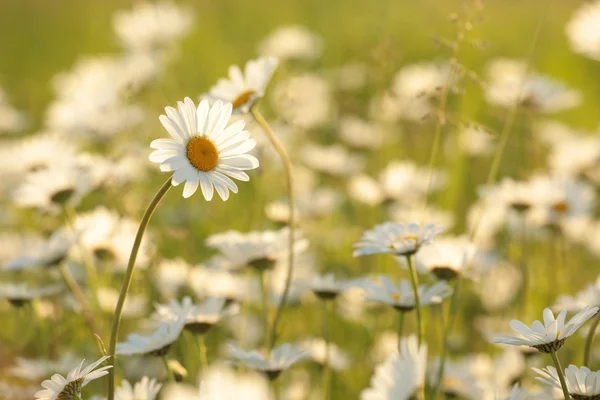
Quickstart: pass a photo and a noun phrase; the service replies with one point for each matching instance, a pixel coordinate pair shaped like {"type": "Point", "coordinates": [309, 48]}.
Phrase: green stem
{"type": "Point", "coordinates": [400, 327]}
{"type": "Point", "coordinates": [523, 266]}
{"type": "Point", "coordinates": [264, 291]}
{"type": "Point", "coordinates": [561, 376]}
{"type": "Point", "coordinates": [453, 311]}
{"type": "Point", "coordinates": [287, 164]}
{"type": "Point", "coordinates": [589, 340]}
{"type": "Point", "coordinates": [114, 334]}
{"type": "Point", "coordinates": [170, 375]}
{"type": "Point", "coordinates": [201, 341]}
{"type": "Point", "coordinates": [326, 367]}
{"type": "Point", "coordinates": [414, 280]}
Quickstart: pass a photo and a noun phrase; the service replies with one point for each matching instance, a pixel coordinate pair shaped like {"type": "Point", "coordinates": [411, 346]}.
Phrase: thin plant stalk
{"type": "Point", "coordinates": [80, 298]}
{"type": "Point", "coordinates": [589, 340]}
{"type": "Point", "coordinates": [400, 327]}
{"type": "Point", "coordinates": [170, 374]}
{"type": "Point", "coordinates": [561, 377]}
{"type": "Point", "coordinates": [326, 368]}
{"type": "Point", "coordinates": [287, 164]}
{"type": "Point", "coordinates": [264, 291]}
{"type": "Point", "coordinates": [114, 334]}
{"type": "Point", "coordinates": [453, 312]}
{"type": "Point", "coordinates": [201, 341]}
{"type": "Point", "coordinates": [523, 266]}
{"type": "Point", "coordinates": [414, 280]}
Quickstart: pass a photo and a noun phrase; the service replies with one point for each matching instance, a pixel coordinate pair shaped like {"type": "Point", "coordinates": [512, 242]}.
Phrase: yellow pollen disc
{"type": "Point", "coordinates": [202, 153]}
{"type": "Point", "coordinates": [561, 207]}
{"type": "Point", "coordinates": [242, 99]}
{"type": "Point", "coordinates": [396, 296]}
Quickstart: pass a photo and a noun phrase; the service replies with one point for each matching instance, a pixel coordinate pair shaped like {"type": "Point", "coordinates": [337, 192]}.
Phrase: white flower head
{"type": "Point", "coordinates": [327, 287]}
{"type": "Point", "coordinates": [146, 389]}
{"type": "Point", "coordinates": [323, 352]}
{"type": "Point", "coordinates": [293, 42]}
{"type": "Point", "coordinates": [220, 383]}
{"type": "Point", "coordinates": [401, 375]}
{"type": "Point", "coordinates": [395, 238]}
{"type": "Point", "coordinates": [157, 343]}
{"type": "Point", "coordinates": [582, 383]}
{"type": "Point", "coordinates": [446, 258]}
{"type": "Point", "coordinates": [69, 388]}
{"type": "Point", "coordinates": [590, 295]}
{"type": "Point", "coordinates": [281, 358]}
{"type": "Point", "coordinates": [43, 253]}
{"type": "Point", "coordinates": [198, 317]}
{"type": "Point", "coordinates": [243, 90]}
{"type": "Point", "coordinates": [583, 30]}
{"type": "Point", "coordinates": [549, 336]}
{"type": "Point", "coordinates": [20, 293]}
{"type": "Point", "coordinates": [204, 151]}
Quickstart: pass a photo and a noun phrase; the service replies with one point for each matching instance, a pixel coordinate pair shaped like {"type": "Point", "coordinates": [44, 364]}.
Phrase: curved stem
{"type": "Point", "coordinates": [523, 267]}
{"type": "Point", "coordinates": [170, 375]}
{"type": "Point", "coordinates": [127, 282]}
{"type": "Point", "coordinates": [589, 340]}
{"type": "Point", "coordinates": [414, 280]}
{"type": "Point", "coordinates": [287, 164]}
{"type": "Point", "coordinates": [561, 376]}
{"type": "Point", "coordinates": [264, 291]}
{"type": "Point", "coordinates": [201, 341]}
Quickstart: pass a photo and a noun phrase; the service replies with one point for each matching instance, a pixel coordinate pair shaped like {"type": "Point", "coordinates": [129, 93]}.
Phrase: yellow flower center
{"type": "Point", "coordinates": [242, 99]}
{"type": "Point", "coordinates": [561, 207]}
{"type": "Point", "coordinates": [202, 153]}
{"type": "Point", "coordinates": [396, 296]}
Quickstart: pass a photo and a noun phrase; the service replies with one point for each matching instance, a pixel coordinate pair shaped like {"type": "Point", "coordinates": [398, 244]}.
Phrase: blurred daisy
{"type": "Point", "coordinates": [402, 297]}
{"type": "Point", "coordinates": [403, 213]}
{"type": "Point", "coordinates": [582, 383]}
{"type": "Point", "coordinates": [146, 389]}
{"type": "Point", "coordinates": [135, 306]}
{"type": "Point", "coordinates": [510, 83]}
{"type": "Point", "coordinates": [395, 238]}
{"type": "Point", "coordinates": [292, 42]}
{"type": "Point", "coordinates": [447, 258]}
{"type": "Point", "coordinates": [281, 358]}
{"type": "Point", "coordinates": [157, 343]}
{"type": "Point", "coordinates": [69, 388]}
{"type": "Point", "coordinates": [243, 90]}
{"type": "Point", "coordinates": [261, 250]}
{"type": "Point", "coordinates": [401, 375]}
{"type": "Point", "coordinates": [468, 377]}
{"type": "Point", "coordinates": [313, 204]}
{"type": "Point", "coordinates": [475, 141]}
{"type": "Point", "coordinates": [51, 189]}
{"type": "Point", "coordinates": [333, 160]}
{"type": "Point", "coordinates": [577, 156]}
{"type": "Point", "coordinates": [151, 26]}
{"type": "Point", "coordinates": [327, 287]}
{"type": "Point", "coordinates": [323, 352]}
{"type": "Point", "coordinates": [171, 277]}
{"type": "Point", "coordinates": [44, 253]}
{"type": "Point", "coordinates": [35, 369]}
{"type": "Point", "coordinates": [224, 383]}
{"type": "Point", "coordinates": [583, 30]}
{"type": "Point", "coordinates": [359, 133]}
{"type": "Point", "coordinates": [20, 293]}
{"type": "Point", "coordinates": [214, 282]}
{"type": "Point", "coordinates": [204, 151]}
{"type": "Point", "coordinates": [516, 393]}
{"type": "Point", "coordinates": [549, 336]}
{"type": "Point", "coordinates": [199, 318]}
{"type": "Point", "coordinates": [589, 296]}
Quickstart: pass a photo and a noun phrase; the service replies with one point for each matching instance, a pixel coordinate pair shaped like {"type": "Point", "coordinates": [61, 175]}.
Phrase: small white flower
{"type": "Point", "coordinates": [446, 258]}
{"type": "Point", "coordinates": [402, 297]}
{"type": "Point", "coordinates": [333, 160]}
{"type": "Point", "coordinates": [359, 133]}
{"type": "Point", "coordinates": [215, 282]}
{"type": "Point", "coordinates": [221, 383]}
{"type": "Point", "coordinates": [146, 389]}
{"type": "Point", "coordinates": [157, 343]}
{"type": "Point", "coordinates": [204, 151]}
{"type": "Point", "coordinates": [171, 277]}
{"type": "Point", "coordinates": [293, 42]}
{"type": "Point", "coordinates": [394, 238]}
{"type": "Point", "coordinates": [549, 336]}
{"type": "Point", "coordinates": [35, 369]}
{"type": "Point", "coordinates": [320, 352]}
{"type": "Point", "coordinates": [243, 90]}
{"type": "Point", "coordinates": [590, 295]}
{"type": "Point", "coordinates": [18, 294]}
{"type": "Point", "coordinates": [198, 317]}
{"type": "Point", "coordinates": [69, 388]}
{"type": "Point", "coordinates": [582, 383]}
{"type": "Point", "coordinates": [281, 358]}
{"type": "Point", "coordinates": [327, 287]}
{"type": "Point", "coordinates": [44, 253]}
{"type": "Point", "coordinates": [401, 375]}
{"type": "Point", "coordinates": [583, 30]}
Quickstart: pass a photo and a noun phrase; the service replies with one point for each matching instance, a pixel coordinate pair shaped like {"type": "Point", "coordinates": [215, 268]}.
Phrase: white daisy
{"type": "Point", "coordinates": [394, 238]}
{"type": "Point", "coordinates": [446, 258]}
{"type": "Point", "coordinates": [292, 42]}
{"type": "Point", "coordinates": [549, 336]}
{"type": "Point", "coordinates": [151, 26]}
{"type": "Point", "coordinates": [171, 277]}
{"type": "Point", "coordinates": [310, 205]}
{"type": "Point", "coordinates": [35, 369]}
{"type": "Point", "coordinates": [327, 287]}
{"type": "Point", "coordinates": [19, 294]}
{"type": "Point", "coordinates": [44, 253]}
{"type": "Point", "coordinates": [359, 133]}
{"type": "Point", "coordinates": [582, 383]}
{"type": "Point", "coordinates": [590, 295]}
{"type": "Point", "coordinates": [221, 383]}
{"type": "Point", "coordinates": [214, 282]}
{"type": "Point", "coordinates": [204, 151]}
{"type": "Point", "coordinates": [401, 375]}
{"type": "Point", "coordinates": [243, 90]}
{"type": "Point", "coordinates": [281, 358]}
{"type": "Point", "coordinates": [157, 343]}
{"type": "Point", "coordinates": [320, 352]}
{"type": "Point", "coordinates": [199, 318]}
{"type": "Point", "coordinates": [516, 393]}
{"type": "Point", "coordinates": [146, 389]}
{"type": "Point", "coordinates": [583, 30]}
{"type": "Point", "coordinates": [69, 388]}
{"type": "Point", "coordinates": [402, 297]}
{"type": "Point", "coordinates": [334, 160]}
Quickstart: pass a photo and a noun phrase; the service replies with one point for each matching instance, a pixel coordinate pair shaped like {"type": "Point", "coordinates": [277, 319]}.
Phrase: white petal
{"type": "Point", "coordinates": [206, 185]}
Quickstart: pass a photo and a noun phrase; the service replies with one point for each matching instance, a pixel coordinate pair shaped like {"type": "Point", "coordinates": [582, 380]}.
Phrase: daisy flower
{"type": "Point", "coordinates": [157, 343]}
{"type": "Point", "coordinates": [19, 294]}
{"type": "Point", "coordinates": [171, 277]}
{"type": "Point", "coordinates": [327, 287]}
{"type": "Point", "coordinates": [549, 336]}
{"type": "Point", "coordinates": [281, 358]}
{"type": "Point", "coordinates": [447, 258]}
{"type": "Point", "coordinates": [582, 383]}
{"type": "Point", "coordinates": [214, 282]}
{"type": "Point", "coordinates": [37, 368]}
{"type": "Point", "coordinates": [397, 239]}
{"type": "Point", "coordinates": [359, 133]}
{"type": "Point", "coordinates": [583, 30]}
{"type": "Point", "coordinates": [292, 42]}
{"type": "Point", "coordinates": [401, 375]}
{"type": "Point", "coordinates": [204, 151]}
{"type": "Point", "coordinates": [199, 318]}
{"type": "Point", "coordinates": [402, 298]}
{"type": "Point", "coordinates": [517, 393]}
{"type": "Point", "coordinates": [243, 90]}
{"type": "Point", "coordinates": [43, 253]}
{"type": "Point", "coordinates": [221, 382]}
{"type": "Point", "coordinates": [146, 389]}
{"type": "Point", "coordinates": [69, 388]}
{"type": "Point", "coordinates": [588, 296]}
{"type": "Point", "coordinates": [334, 160]}
{"type": "Point", "coordinates": [323, 352]}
